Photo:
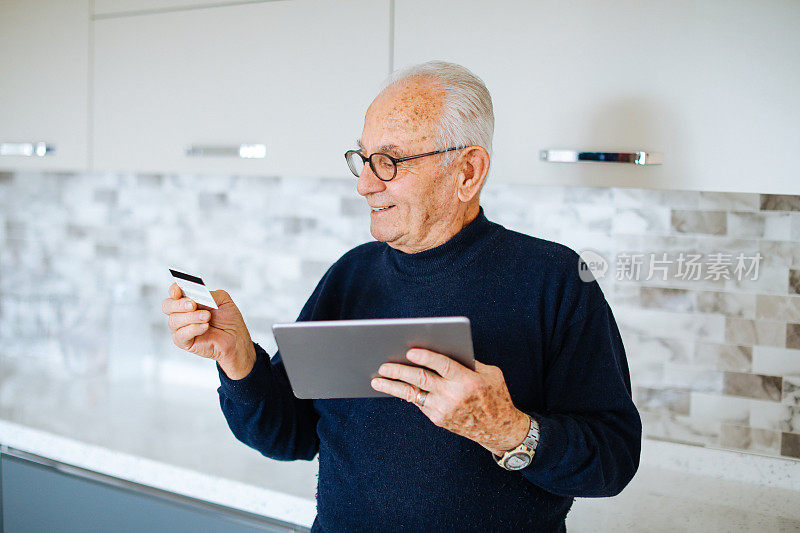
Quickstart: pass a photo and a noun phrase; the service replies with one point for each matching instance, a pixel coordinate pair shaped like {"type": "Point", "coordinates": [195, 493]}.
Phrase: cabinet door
{"type": "Point", "coordinates": [40, 497]}
{"type": "Point", "coordinates": [110, 8]}
{"type": "Point", "coordinates": [295, 76]}
{"type": "Point", "coordinates": [712, 85]}
{"type": "Point", "coordinates": [44, 51]}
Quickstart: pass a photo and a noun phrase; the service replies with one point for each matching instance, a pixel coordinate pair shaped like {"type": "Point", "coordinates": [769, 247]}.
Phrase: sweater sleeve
{"type": "Point", "coordinates": [263, 412]}
{"type": "Point", "coordinates": [590, 431]}
{"type": "Point", "coordinates": [261, 408]}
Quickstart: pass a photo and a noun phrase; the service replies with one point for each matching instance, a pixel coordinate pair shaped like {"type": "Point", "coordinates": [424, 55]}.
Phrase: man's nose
{"type": "Point", "coordinates": [368, 182]}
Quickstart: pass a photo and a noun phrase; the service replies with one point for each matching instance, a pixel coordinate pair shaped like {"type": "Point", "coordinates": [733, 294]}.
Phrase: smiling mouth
{"type": "Point", "coordinates": [379, 209]}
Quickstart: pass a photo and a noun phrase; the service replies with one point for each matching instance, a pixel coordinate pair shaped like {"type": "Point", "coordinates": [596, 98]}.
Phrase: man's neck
{"type": "Point", "coordinates": [456, 224]}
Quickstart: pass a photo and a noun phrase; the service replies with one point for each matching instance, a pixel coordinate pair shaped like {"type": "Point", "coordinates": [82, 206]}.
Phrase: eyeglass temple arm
{"type": "Point", "coordinates": [423, 155]}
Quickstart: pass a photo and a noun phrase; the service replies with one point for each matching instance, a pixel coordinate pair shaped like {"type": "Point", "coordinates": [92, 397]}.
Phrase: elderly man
{"type": "Point", "coordinates": [546, 415]}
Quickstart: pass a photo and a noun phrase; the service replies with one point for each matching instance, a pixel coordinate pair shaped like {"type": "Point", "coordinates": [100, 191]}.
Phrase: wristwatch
{"type": "Point", "coordinates": [521, 456]}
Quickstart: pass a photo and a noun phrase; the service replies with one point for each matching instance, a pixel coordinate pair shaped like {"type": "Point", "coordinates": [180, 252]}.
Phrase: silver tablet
{"type": "Point", "coordinates": [339, 358]}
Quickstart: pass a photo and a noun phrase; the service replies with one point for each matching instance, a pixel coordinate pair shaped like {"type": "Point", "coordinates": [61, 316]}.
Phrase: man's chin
{"type": "Point", "coordinates": [381, 234]}
{"type": "Point", "coordinates": [378, 236]}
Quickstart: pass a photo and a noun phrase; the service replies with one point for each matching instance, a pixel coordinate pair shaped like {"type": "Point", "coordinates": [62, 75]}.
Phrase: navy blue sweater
{"type": "Point", "coordinates": [383, 466]}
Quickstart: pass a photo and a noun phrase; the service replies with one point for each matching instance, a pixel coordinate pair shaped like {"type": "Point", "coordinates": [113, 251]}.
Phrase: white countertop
{"type": "Point", "coordinates": [172, 436]}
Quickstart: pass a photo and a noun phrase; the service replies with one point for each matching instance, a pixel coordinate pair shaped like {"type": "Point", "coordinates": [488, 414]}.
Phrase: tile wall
{"type": "Point", "coordinates": [705, 286]}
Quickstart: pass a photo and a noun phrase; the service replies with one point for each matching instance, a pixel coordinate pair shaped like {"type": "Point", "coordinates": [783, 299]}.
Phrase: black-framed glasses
{"type": "Point", "coordinates": [383, 166]}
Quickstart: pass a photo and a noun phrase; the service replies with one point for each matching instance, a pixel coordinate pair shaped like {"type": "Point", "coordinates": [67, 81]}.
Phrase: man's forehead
{"type": "Point", "coordinates": [403, 114]}
{"type": "Point", "coordinates": [411, 102]}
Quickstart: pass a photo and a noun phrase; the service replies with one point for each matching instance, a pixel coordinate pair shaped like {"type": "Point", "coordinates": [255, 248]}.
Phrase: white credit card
{"type": "Point", "coordinates": [194, 288]}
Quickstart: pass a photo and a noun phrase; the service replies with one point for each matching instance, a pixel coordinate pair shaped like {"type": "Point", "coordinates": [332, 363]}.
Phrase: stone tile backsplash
{"type": "Point", "coordinates": [704, 285]}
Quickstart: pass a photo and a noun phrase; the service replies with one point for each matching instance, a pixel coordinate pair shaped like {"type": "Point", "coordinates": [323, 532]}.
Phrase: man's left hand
{"type": "Point", "coordinates": [474, 404]}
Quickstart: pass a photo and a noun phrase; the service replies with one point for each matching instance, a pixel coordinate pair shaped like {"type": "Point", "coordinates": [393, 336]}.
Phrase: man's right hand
{"type": "Point", "coordinates": [218, 334]}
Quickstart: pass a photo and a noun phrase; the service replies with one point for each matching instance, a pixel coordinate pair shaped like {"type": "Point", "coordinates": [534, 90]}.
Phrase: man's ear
{"type": "Point", "coordinates": [474, 168]}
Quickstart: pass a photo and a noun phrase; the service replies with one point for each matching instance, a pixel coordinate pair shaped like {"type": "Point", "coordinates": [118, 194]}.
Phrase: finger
{"type": "Point", "coordinates": [491, 372]}
{"type": "Point", "coordinates": [179, 320]}
{"type": "Point", "coordinates": [170, 305]}
{"type": "Point", "coordinates": [184, 337]}
{"type": "Point", "coordinates": [398, 389]}
{"type": "Point", "coordinates": [420, 377]}
{"type": "Point", "coordinates": [175, 291]}
{"type": "Point", "coordinates": [449, 369]}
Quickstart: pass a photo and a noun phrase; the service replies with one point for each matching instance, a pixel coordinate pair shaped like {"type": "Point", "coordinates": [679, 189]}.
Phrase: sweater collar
{"type": "Point", "coordinates": [462, 248]}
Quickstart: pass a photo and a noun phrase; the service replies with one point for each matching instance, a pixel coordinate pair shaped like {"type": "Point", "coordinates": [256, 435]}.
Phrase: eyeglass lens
{"type": "Point", "coordinates": [355, 163]}
{"type": "Point", "coordinates": [381, 165]}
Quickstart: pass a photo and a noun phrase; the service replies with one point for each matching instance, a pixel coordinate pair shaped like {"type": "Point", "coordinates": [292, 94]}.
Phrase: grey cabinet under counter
{"type": "Point", "coordinates": [38, 494]}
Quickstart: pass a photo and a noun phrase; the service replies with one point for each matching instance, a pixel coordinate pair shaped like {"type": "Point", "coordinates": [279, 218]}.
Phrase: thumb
{"type": "Point", "coordinates": [482, 368]}
{"type": "Point", "coordinates": [221, 297]}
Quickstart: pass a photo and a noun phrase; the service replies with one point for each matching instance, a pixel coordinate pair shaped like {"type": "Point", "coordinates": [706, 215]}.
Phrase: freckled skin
{"type": "Point", "coordinates": [474, 404]}
{"type": "Point", "coordinates": [486, 415]}
{"type": "Point", "coordinates": [430, 206]}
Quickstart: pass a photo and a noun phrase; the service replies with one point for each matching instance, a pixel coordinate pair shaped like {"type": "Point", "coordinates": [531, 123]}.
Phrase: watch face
{"type": "Point", "coordinates": [518, 461]}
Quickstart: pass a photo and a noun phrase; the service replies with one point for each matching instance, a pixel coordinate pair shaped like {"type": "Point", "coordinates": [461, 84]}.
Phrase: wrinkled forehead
{"type": "Point", "coordinates": [405, 115]}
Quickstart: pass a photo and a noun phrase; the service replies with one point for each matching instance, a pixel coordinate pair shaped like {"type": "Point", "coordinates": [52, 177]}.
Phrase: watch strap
{"type": "Point", "coordinates": [532, 438]}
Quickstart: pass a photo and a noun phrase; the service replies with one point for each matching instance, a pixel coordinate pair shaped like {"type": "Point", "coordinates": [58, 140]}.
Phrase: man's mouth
{"type": "Point", "coordinates": [379, 209]}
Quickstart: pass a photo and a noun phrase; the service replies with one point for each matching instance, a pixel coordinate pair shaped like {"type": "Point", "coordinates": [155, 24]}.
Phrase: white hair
{"type": "Point", "coordinates": [467, 117]}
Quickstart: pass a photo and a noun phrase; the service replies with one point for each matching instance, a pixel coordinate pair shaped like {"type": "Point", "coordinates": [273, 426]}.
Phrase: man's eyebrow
{"type": "Point", "coordinates": [390, 148]}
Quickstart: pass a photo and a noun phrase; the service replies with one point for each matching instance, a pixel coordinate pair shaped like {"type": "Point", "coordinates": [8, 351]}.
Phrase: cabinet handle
{"type": "Point", "coordinates": [573, 156]}
{"type": "Point", "coordinates": [244, 151]}
{"type": "Point", "coordinates": [39, 149]}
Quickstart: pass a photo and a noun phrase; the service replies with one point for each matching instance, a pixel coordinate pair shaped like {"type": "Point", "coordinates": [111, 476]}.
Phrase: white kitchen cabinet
{"type": "Point", "coordinates": [296, 76]}
{"type": "Point", "coordinates": [711, 85]}
{"type": "Point", "coordinates": [44, 58]}
{"type": "Point", "coordinates": [109, 8]}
